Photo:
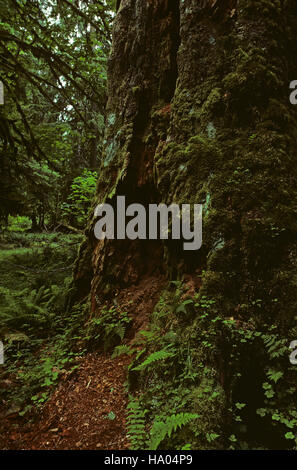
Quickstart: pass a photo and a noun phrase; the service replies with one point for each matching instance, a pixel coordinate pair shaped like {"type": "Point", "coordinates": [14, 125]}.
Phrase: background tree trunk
{"type": "Point", "coordinates": [198, 112]}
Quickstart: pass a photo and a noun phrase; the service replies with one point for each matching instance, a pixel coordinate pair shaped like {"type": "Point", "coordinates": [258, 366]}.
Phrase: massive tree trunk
{"type": "Point", "coordinates": [198, 112]}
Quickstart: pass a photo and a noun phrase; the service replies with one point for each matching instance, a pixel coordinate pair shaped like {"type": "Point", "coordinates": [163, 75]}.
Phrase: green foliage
{"type": "Point", "coordinates": [109, 328]}
{"type": "Point", "coordinates": [161, 429]}
{"type": "Point", "coordinates": [122, 349]}
{"type": "Point", "coordinates": [19, 223]}
{"type": "Point", "coordinates": [29, 309]}
{"type": "Point", "coordinates": [170, 375]}
{"type": "Point", "coordinates": [35, 279]}
{"type": "Point", "coordinates": [38, 337]}
{"type": "Point", "coordinates": [156, 356]}
{"type": "Point", "coordinates": [111, 416]}
{"type": "Point", "coordinates": [52, 122]}
{"type": "Point", "coordinates": [136, 425]}
{"type": "Point", "coordinates": [182, 350]}
{"type": "Point", "coordinates": [79, 200]}
{"type": "Point", "coordinates": [35, 366]}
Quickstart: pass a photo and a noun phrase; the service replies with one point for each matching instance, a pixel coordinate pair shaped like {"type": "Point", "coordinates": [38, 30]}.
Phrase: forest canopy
{"type": "Point", "coordinates": [53, 67]}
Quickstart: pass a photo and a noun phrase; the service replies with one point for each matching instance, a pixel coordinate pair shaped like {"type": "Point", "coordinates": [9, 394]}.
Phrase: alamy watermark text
{"type": "Point", "coordinates": [152, 224]}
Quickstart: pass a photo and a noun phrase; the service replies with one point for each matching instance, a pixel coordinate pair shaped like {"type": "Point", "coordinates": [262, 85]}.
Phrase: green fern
{"type": "Point", "coordinates": [162, 429]}
{"type": "Point", "coordinates": [154, 357]}
{"type": "Point", "coordinates": [27, 309]}
{"type": "Point", "coordinates": [122, 349]}
{"type": "Point", "coordinates": [136, 425]}
{"type": "Point", "coordinates": [120, 330]}
{"type": "Point", "coordinates": [110, 327]}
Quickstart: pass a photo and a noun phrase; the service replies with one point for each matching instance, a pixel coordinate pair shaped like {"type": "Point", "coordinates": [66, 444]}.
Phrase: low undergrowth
{"type": "Point", "coordinates": [205, 381]}
{"type": "Point", "coordinates": [108, 329]}
{"type": "Point", "coordinates": [41, 341]}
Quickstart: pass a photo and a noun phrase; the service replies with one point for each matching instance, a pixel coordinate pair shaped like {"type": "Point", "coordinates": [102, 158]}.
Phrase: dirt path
{"type": "Point", "coordinates": [87, 411]}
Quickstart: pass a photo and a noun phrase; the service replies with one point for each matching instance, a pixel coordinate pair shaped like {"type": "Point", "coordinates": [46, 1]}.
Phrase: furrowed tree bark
{"type": "Point", "coordinates": [198, 112]}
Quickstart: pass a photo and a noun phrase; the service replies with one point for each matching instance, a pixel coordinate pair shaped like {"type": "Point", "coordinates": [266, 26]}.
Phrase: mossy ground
{"type": "Point", "coordinates": [36, 273]}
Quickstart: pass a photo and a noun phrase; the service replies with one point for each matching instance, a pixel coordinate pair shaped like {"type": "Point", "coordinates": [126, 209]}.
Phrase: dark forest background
{"type": "Point", "coordinates": [53, 67]}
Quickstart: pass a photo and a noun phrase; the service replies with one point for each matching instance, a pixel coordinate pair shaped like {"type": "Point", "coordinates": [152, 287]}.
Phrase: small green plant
{"type": "Point", "coordinates": [109, 328]}
{"type": "Point", "coordinates": [136, 424]}
{"type": "Point", "coordinates": [120, 350]}
{"type": "Point", "coordinates": [154, 357]}
{"type": "Point", "coordinates": [111, 416]}
{"type": "Point", "coordinates": [161, 429]}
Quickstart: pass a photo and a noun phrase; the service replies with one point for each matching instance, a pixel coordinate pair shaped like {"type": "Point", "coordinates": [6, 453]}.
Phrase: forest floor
{"type": "Point", "coordinates": [86, 411]}
{"type": "Point", "coordinates": [51, 398]}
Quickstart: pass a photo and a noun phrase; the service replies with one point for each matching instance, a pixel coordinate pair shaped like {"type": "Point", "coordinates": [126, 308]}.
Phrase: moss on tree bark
{"type": "Point", "coordinates": [198, 112]}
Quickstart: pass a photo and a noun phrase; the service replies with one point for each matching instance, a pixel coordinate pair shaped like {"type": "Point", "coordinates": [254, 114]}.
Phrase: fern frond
{"type": "Point", "coordinates": [136, 425]}
{"type": "Point", "coordinates": [161, 429]}
{"type": "Point", "coordinates": [122, 349]}
{"type": "Point", "coordinates": [156, 356]}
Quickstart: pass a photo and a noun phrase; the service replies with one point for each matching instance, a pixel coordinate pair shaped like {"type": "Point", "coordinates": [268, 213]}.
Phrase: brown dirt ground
{"type": "Point", "coordinates": [77, 416]}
